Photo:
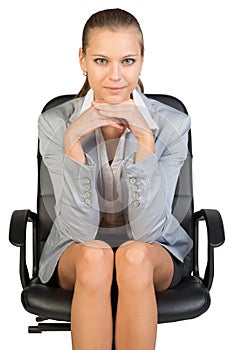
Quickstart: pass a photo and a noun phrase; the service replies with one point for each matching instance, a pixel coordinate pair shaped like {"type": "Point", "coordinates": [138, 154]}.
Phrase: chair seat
{"type": "Point", "coordinates": [187, 300]}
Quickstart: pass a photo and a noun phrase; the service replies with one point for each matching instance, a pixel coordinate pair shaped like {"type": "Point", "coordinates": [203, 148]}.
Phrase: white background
{"type": "Point", "coordinates": [189, 54]}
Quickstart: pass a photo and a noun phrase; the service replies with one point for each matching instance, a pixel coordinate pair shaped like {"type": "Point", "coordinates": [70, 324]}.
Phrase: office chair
{"type": "Point", "coordinates": [187, 300]}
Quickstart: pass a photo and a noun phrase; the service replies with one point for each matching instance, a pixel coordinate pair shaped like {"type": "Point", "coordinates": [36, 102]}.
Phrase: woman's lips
{"type": "Point", "coordinates": [114, 89]}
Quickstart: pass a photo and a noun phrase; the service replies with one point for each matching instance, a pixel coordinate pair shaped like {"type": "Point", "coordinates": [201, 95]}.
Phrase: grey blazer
{"type": "Point", "coordinates": [76, 187]}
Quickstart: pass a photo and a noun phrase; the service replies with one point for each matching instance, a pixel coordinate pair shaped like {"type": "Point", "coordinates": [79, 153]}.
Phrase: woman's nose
{"type": "Point", "coordinates": [114, 72]}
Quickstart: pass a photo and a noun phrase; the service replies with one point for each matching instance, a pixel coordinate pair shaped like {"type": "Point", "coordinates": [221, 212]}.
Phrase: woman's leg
{"type": "Point", "coordinates": [88, 270]}
{"type": "Point", "coordinates": [142, 269]}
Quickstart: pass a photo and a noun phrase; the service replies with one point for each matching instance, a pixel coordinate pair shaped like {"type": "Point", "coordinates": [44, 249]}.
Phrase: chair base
{"type": "Point", "coordinates": [49, 327]}
{"type": "Point", "coordinates": [53, 327]}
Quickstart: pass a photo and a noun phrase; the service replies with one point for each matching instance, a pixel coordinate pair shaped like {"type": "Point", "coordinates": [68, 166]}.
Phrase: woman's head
{"type": "Point", "coordinates": [111, 54]}
{"type": "Point", "coordinates": [112, 19]}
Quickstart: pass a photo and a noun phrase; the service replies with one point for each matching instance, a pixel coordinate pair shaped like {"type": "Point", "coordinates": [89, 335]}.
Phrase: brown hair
{"type": "Point", "coordinates": [112, 19]}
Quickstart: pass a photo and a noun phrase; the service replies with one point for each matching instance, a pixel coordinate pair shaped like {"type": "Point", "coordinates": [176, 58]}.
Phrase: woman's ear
{"type": "Point", "coordinates": [82, 60]}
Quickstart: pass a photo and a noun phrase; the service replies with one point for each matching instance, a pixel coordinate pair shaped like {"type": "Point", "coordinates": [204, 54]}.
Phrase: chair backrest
{"type": "Point", "coordinates": [182, 207]}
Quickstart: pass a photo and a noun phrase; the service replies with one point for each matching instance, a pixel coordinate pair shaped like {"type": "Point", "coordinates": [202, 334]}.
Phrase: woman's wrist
{"type": "Point", "coordinates": [145, 147]}
{"type": "Point", "coordinates": [147, 140]}
{"type": "Point", "coordinates": [69, 141]}
{"type": "Point", "coordinates": [73, 148]}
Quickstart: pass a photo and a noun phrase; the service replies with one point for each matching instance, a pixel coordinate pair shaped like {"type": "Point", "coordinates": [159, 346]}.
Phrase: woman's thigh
{"type": "Point", "coordinates": [163, 267]}
{"type": "Point", "coordinates": [73, 256]}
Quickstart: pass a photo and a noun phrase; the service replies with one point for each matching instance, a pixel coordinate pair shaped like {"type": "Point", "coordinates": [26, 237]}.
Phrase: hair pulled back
{"type": "Point", "coordinates": [113, 19]}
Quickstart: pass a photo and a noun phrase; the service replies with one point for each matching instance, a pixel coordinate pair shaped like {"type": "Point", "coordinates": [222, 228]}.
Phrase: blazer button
{"type": "Point", "coordinates": [135, 195]}
{"type": "Point", "coordinates": [136, 203]}
{"type": "Point", "coordinates": [86, 180]}
{"type": "Point", "coordinates": [87, 201]}
{"type": "Point", "coordinates": [87, 187]}
{"type": "Point", "coordinates": [132, 180]}
{"type": "Point", "coordinates": [134, 188]}
{"type": "Point", "coordinates": [87, 194]}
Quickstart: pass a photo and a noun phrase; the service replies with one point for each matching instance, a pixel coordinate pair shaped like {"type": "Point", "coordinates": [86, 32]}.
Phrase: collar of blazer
{"type": "Point", "coordinates": [89, 98]}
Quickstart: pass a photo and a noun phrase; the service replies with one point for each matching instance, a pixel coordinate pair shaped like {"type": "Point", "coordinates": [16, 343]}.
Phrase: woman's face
{"type": "Point", "coordinates": [113, 62]}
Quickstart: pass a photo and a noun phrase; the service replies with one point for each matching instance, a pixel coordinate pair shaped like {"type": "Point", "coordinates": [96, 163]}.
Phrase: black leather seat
{"type": "Point", "coordinates": [189, 299]}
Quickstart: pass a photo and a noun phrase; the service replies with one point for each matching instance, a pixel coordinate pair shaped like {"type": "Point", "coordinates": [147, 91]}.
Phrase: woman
{"type": "Point", "coordinates": [114, 157]}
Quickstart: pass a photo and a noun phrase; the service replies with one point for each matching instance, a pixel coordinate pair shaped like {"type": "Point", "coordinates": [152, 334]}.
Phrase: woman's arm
{"type": "Point", "coordinates": [74, 184]}
{"type": "Point", "coordinates": [150, 184]}
{"type": "Point", "coordinates": [72, 172]}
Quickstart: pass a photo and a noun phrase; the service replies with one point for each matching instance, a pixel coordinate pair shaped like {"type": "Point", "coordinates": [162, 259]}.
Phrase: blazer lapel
{"type": "Point", "coordinates": [130, 144]}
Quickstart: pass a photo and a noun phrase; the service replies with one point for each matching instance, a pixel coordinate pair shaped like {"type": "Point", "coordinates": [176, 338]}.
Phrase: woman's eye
{"type": "Point", "coordinates": [101, 60]}
{"type": "Point", "coordinates": [128, 61]}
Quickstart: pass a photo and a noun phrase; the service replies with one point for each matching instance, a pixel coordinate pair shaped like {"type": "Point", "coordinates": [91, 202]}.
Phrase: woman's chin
{"type": "Point", "coordinates": [114, 98]}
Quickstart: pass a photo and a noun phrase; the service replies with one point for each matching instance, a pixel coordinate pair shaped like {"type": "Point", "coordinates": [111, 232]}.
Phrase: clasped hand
{"type": "Point", "coordinates": [119, 115]}
{"type": "Point", "coordinates": [127, 114]}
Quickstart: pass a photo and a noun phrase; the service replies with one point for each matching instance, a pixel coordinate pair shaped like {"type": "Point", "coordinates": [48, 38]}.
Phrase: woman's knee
{"type": "Point", "coordinates": [133, 265]}
{"type": "Point", "coordinates": [94, 267]}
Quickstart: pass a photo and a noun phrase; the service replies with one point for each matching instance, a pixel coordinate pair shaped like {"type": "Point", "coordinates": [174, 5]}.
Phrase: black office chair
{"type": "Point", "coordinates": [187, 300]}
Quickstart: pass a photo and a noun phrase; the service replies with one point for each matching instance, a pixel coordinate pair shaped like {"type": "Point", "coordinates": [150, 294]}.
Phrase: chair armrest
{"type": "Point", "coordinates": [214, 225]}
{"type": "Point", "coordinates": [215, 236]}
{"type": "Point", "coordinates": [18, 225]}
{"type": "Point", "coordinates": [17, 236]}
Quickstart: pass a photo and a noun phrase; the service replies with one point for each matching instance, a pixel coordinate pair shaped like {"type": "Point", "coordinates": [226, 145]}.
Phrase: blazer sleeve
{"type": "Point", "coordinates": [77, 209]}
{"type": "Point", "coordinates": [150, 184]}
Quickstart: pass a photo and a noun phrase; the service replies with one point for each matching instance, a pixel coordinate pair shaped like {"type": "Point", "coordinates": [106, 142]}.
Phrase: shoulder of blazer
{"type": "Point", "coordinates": [164, 114]}
{"type": "Point", "coordinates": [67, 111]}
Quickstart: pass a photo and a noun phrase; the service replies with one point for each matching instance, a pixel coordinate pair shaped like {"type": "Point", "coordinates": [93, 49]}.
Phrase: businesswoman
{"type": "Point", "coordinates": [114, 157]}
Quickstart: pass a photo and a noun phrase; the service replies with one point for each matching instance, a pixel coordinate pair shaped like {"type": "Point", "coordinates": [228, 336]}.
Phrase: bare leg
{"type": "Point", "coordinates": [141, 268]}
{"type": "Point", "coordinates": [88, 269]}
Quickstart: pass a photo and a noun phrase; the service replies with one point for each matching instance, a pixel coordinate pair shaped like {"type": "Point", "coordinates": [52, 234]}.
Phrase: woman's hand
{"type": "Point", "coordinates": [87, 122]}
{"type": "Point", "coordinates": [128, 114]}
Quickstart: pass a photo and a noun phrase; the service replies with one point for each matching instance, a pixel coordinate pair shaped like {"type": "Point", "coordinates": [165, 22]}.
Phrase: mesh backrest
{"type": "Point", "coordinates": [183, 199]}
